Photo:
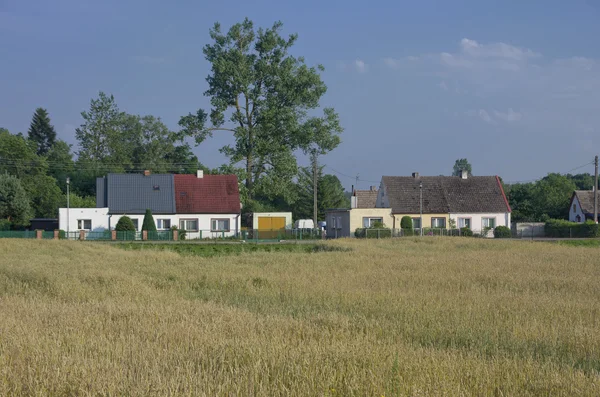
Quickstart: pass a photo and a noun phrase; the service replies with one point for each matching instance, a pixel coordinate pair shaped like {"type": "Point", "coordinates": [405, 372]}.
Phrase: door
{"type": "Point", "coordinates": [268, 227]}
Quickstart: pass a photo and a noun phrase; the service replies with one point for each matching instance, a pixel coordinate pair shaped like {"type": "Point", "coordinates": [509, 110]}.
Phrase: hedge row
{"type": "Point", "coordinates": [562, 228]}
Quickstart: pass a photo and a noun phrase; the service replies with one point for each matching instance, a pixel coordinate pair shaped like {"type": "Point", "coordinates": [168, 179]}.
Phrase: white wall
{"type": "Point", "coordinates": [98, 216]}
{"type": "Point", "coordinates": [204, 223]}
{"type": "Point", "coordinates": [502, 219]}
{"type": "Point", "coordinates": [286, 215]}
{"type": "Point", "coordinates": [101, 220]}
{"type": "Point", "coordinates": [576, 210]}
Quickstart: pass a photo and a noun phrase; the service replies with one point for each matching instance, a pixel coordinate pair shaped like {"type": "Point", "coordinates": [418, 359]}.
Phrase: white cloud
{"type": "Point", "coordinates": [360, 65]}
{"type": "Point", "coordinates": [509, 116]}
{"type": "Point", "coordinates": [495, 50]}
{"type": "Point", "coordinates": [484, 115]}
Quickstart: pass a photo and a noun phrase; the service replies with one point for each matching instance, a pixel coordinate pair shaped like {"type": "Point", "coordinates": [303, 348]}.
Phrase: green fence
{"type": "Point", "coordinates": [17, 234]}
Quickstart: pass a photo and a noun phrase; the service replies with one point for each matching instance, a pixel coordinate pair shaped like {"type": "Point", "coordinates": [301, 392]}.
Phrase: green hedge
{"type": "Point", "coordinates": [562, 228]}
{"type": "Point", "coordinates": [373, 233]}
{"type": "Point", "coordinates": [466, 232]}
{"type": "Point", "coordinates": [502, 232]}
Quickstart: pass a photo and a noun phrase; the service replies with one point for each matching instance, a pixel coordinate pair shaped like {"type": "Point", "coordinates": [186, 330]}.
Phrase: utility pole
{"type": "Point", "coordinates": [596, 189]}
{"type": "Point", "coordinates": [315, 180]}
{"type": "Point", "coordinates": [421, 208]}
{"type": "Point", "coordinates": [68, 206]}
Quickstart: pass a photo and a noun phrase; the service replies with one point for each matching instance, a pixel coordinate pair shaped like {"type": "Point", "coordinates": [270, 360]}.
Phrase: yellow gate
{"type": "Point", "coordinates": [268, 227]}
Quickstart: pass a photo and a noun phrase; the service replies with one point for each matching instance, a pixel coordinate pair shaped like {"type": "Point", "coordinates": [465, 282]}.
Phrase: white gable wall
{"type": "Point", "coordinates": [575, 210]}
{"type": "Point", "coordinates": [97, 216]}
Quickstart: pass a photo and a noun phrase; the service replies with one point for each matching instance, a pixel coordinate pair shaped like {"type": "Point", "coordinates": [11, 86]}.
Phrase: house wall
{"type": "Point", "coordinates": [286, 215]}
{"type": "Point", "coordinates": [426, 219]}
{"type": "Point", "coordinates": [204, 223]}
{"type": "Point", "coordinates": [576, 210]}
{"type": "Point", "coordinates": [98, 216]}
{"type": "Point", "coordinates": [502, 219]}
{"type": "Point", "coordinates": [353, 219]}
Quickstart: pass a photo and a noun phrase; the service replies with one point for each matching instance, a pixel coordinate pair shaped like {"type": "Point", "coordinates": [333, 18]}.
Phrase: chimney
{"type": "Point", "coordinates": [415, 174]}
{"type": "Point", "coordinates": [373, 188]}
{"type": "Point", "coordinates": [353, 202]}
{"type": "Point", "coordinates": [146, 172]}
{"type": "Point", "coordinates": [199, 174]}
{"type": "Point", "coordinates": [464, 174]}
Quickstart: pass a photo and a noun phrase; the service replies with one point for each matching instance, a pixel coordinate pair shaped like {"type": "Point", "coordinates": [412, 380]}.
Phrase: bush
{"type": "Point", "coordinates": [566, 229]}
{"type": "Point", "coordinates": [125, 224]}
{"type": "Point", "coordinates": [62, 234]}
{"type": "Point", "coordinates": [466, 232]}
{"type": "Point", "coordinates": [5, 224]}
{"type": "Point", "coordinates": [148, 223]}
{"type": "Point", "coordinates": [408, 232]}
{"type": "Point", "coordinates": [406, 222]}
{"type": "Point", "coordinates": [181, 235]}
{"type": "Point", "coordinates": [502, 232]}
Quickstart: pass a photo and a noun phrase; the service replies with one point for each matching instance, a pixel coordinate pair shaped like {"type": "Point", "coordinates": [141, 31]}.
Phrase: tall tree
{"type": "Point", "coordinates": [41, 132]}
{"type": "Point", "coordinates": [266, 95]}
{"type": "Point", "coordinates": [462, 164]}
{"type": "Point", "coordinates": [60, 163]}
{"type": "Point", "coordinates": [330, 194]}
{"type": "Point", "coordinates": [14, 202]}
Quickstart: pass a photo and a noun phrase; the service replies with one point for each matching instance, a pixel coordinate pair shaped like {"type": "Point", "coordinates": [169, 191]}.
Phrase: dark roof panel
{"type": "Point", "coordinates": [444, 194]}
{"type": "Point", "coordinates": [366, 198]}
{"type": "Point", "coordinates": [134, 193]}
{"type": "Point", "coordinates": [586, 200]}
{"type": "Point", "coordinates": [211, 194]}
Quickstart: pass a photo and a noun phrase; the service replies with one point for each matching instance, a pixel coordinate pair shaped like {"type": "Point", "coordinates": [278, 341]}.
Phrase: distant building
{"type": "Point", "coordinates": [582, 206]}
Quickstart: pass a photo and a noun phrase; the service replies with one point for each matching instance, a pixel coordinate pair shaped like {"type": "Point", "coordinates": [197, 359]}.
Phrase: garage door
{"type": "Point", "coordinates": [268, 227]}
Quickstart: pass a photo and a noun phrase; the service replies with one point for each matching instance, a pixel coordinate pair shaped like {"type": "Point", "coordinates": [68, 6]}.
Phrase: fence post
{"type": "Point", "coordinates": [377, 233]}
{"type": "Point", "coordinates": [144, 235]}
{"type": "Point", "coordinates": [82, 235]}
{"type": "Point", "coordinates": [113, 235]}
{"type": "Point", "coordinates": [175, 235]}
{"type": "Point", "coordinates": [38, 234]}
{"type": "Point", "coordinates": [56, 235]}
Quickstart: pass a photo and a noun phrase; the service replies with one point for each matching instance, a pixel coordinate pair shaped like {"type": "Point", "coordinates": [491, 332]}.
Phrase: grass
{"type": "Point", "coordinates": [415, 317]}
{"type": "Point", "coordinates": [581, 243]}
{"type": "Point", "coordinates": [219, 249]}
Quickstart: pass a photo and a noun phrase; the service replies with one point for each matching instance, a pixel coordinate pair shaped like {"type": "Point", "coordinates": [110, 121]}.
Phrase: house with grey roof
{"type": "Point", "coordinates": [476, 202]}
{"type": "Point", "coordinates": [581, 207]}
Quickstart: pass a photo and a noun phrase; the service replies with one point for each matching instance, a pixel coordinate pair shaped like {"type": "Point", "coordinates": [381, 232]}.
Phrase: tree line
{"type": "Point", "coordinates": [267, 99]}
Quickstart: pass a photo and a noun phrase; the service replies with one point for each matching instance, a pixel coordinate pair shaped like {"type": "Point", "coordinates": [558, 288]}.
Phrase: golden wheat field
{"type": "Point", "coordinates": [414, 317]}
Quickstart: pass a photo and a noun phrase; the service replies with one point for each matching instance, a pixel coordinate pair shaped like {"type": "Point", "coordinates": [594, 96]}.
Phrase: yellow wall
{"type": "Point", "coordinates": [357, 215]}
{"type": "Point", "coordinates": [426, 219]}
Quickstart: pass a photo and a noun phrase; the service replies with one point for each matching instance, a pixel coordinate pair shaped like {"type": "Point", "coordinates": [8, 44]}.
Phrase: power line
{"type": "Point", "coordinates": [535, 180]}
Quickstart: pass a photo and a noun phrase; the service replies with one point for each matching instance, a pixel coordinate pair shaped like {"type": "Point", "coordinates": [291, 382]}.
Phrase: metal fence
{"type": "Point", "coordinates": [389, 233]}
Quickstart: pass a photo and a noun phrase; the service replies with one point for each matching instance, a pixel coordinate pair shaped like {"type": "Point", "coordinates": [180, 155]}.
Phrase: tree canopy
{"type": "Point", "coordinates": [41, 132]}
{"type": "Point", "coordinates": [330, 194]}
{"type": "Point", "coordinates": [14, 203]}
{"type": "Point", "coordinates": [268, 100]}
{"type": "Point", "coordinates": [460, 165]}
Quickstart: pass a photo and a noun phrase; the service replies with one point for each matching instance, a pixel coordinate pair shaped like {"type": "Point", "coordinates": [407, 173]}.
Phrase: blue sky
{"type": "Point", "coordinates": [513, 86]}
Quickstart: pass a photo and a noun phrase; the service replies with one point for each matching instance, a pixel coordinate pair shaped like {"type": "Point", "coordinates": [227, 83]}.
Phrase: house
{"type": "Point", "coordinates": [202, 205]}
{"type": "Point", "coordinates": [364, 198]}
{"type": "Point", "coordinates": [581, 207]}
{"type": "Point", "coordinates": [476, 202]}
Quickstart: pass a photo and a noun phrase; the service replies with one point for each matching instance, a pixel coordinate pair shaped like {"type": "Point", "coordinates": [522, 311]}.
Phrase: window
{"type": "Point", "coordinates": [333, 222]}
{"type": "Point", "coordinates": [369, 222]}
{"type": "Point", "coordinates": [339, 222]}
{"type": "Point", "coordinates": [136, 223]}
{"type": "Point", "coordinates": [574, 207]}
{"type": "Point", "coordinates": [190, 225]}
{"type": "Point", "coordinates": [163, 224]}
{"type": "Point", "coordinates": [438, 223]}
{"type": "Point", "coordinates": [219, 225]}
{"type": "Point", "coordinates": [489, 222]}
{"type": "Point", "coordinates": [416, 223]}
{"type": "Point", "coordinates": [464, 222]}
{"type": "Point", "coordinates": [84, 224]}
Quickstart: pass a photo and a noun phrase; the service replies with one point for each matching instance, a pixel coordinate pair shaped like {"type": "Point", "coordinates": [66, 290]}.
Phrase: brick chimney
{"type": "Point", "coordinates": [415, 175]}
{"type": "Point", "coordinates": [373, 188]}
{"type": "Point", "coordinates": [147, 173]}
{"type": "Point", "coordinates": [464, 174]}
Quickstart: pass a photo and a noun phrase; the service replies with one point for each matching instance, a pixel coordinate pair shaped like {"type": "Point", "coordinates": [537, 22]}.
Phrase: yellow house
{"type": "Point", "coordinates": [343, 222]}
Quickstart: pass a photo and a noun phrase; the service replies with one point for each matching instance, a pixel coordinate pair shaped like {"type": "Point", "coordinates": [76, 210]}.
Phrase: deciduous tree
{"type": "Point", "coordinates": [14, 202]}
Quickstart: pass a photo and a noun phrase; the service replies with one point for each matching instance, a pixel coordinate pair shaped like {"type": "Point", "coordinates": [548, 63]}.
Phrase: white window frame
{"type": "Point", "coordinates": [464, 219]}
{"type": "Point", "coordinates": [488, 218]}
{"type": "Point", "coordinates": [418, 220]}
{"type": "Point", "coordinates": [185, 223]}
{"type": "Point", "coordinates": [368, 220]}
{"type": "Point", "coordinates": [215, 221]}
{"type": "Point", "coordinates": [136, 223]}
{"type": "Point", "coordinates": [81, 222]}
{"type": "Point", "coordinates": [436, 219]}
{"type": "Point", "coordinates": [160, 224]}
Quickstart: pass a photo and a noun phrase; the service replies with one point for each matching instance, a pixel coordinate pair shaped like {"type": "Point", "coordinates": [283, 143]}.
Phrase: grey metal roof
{"type": "Point", "coordinates": [442, 194]}
{"type": "Point", "coordinates": [134, 193]}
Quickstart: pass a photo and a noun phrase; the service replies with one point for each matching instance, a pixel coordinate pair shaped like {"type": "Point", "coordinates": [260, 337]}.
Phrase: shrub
{"type": "Point", "coordinates": [377, 230]}
{"type": "Point", "coordinates": [62, 234]}
{"type": "Point", "coordinates": [148, 223]}
{"type": "Point", "coordinates": [5, 224]}
{"type": "Point", "coordinates": [502, 232]}
{"type": "Point", "coordinates": [125, 224]}
{"type": "Point", "coordinates": [406, 222]}
{"type": "Point", "coordinates": [181, 235]}
{"type": "Point", "coordinates": [466, 232]}
{"type": "Point", "coordinates": [562, 228]}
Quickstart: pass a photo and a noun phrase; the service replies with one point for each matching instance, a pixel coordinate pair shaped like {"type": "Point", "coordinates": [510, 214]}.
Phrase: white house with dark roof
{"type": "Point", "coordinates": [581, 207]}
{"type": "Point", "coordinates": [476, 202]}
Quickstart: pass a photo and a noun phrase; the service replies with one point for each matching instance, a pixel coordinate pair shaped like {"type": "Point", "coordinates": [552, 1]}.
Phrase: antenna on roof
{"type": "Point", "coordinates": [356, 181]}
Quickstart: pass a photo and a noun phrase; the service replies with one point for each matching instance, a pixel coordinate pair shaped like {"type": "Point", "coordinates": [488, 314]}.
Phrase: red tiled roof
{"type": "Point", "coordinates": [212, 194]}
